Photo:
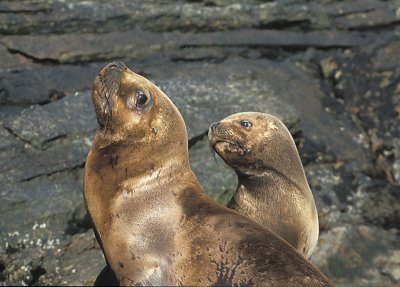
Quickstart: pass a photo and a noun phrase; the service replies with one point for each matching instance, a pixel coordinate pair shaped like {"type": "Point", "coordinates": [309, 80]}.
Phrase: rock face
{"type": "Point", "coordinates": [328, 68]}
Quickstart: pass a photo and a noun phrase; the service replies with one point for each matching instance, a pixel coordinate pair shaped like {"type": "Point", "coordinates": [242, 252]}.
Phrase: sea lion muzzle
{"type": "Point", "coordinates": [105, 87]}
{"type": "Point", "coordinates": [215, 126]}
{"type": "Point", "coordinates": [116, 66]}
{"type": "Point", "coordinates": [218, 133]}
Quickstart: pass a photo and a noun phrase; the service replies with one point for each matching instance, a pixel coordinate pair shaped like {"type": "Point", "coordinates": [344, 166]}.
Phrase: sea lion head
{"type": "Point", "coordinates": [131, 109]}
{"type": "Point", "coordinates": [251, 142]}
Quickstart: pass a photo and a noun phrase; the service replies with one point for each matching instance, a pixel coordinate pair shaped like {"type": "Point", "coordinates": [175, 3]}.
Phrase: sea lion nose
{"type": "Point", "coordinates": [214, 126]}
{"type": "Point", "coordinates": [116, 65]}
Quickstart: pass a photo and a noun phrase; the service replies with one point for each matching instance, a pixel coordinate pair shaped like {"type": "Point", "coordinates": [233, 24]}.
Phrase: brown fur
{"type": "Point", "coordinates": [272, 187]}
{"type": "Point", "coordinates": [155, 224]}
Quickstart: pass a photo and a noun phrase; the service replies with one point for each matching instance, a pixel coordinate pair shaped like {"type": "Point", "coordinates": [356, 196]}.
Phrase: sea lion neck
{"type": "Point", "coordinates": [137, 159]}
{"type": "Point", "coordinates": [123, 182]}
{"type": "Point", "coordinates": [272, 177]}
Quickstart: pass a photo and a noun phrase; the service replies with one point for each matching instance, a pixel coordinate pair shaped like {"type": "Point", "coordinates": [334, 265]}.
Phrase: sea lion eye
{"type": "Point", "coordinates": [246, 124]}
{"type": "Point", "coordinates": [141, 99]}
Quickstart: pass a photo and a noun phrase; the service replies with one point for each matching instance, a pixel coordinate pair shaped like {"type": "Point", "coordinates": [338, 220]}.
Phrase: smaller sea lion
{"type": "Point", "coordinates": [272, 186]}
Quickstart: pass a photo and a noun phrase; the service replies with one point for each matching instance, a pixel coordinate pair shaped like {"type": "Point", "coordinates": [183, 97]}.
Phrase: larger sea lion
{"type": "Point", "coordinates": [272, 186]}
{"type": "Point", "coordinates": [155, 224]}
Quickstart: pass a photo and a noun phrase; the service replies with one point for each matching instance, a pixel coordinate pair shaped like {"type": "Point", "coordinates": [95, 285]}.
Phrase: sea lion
{"type": "Point", "coordinates": [272, 186]}
{"type": "Point", "coordinates": [155, 224]}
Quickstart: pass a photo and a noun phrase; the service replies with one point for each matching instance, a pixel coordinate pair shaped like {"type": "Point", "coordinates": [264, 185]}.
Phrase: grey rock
{"type": "Point", "coordinates": [71, 48]}
{"type": "Point", "coordinates": [71, 261]}
{"type": "Point", "coordinates": [359, 256]}
{"type": "Point", "coordinates": [34, 244]}
{"type": "Point", "coordinates": [9, 60]}
{"type": "Point", "coordinates": [328, 66]}
{"type": "Point", "coordinates": [95, 16]}
{"type": "Point", "coordinates": [322, 39]}
{"type": "Point", "coordinates": [396, 164]}
{"type": "Point", "coordinates": [68, 116]}
{"type": "Point", "coordinates": [211, 92]}
{"type": "Point", "coordinates": [203, 54]}
{"type": "Point", "coordinates": [201, 100]}
{"type": "Point", "coordinates": [368, 19]}
{"type": "Point", "coordinates": [67, 48]}
{"type": "Point", "coordinates": [24, 162]}
{"type": "Point", "coordinates": [18, 7]}
{"type": "Point", "coordinates": [78, 263]}
{"type": "Point", "coordinates": [353, 6]}
{"type": "Point", "coordinates": [372, 202]}
{"type": "Point", "coordinates": [369, 102]}
{"type": "Point", "coordinates": [324, 182]}
{"type": "Point", "coordinates": [45, 16]}
{"type": "Point", "coordinates": [99, 16]}
{"type": "Point", "coordinates": [387, 57]}
{"type": "Point", "coordinates": [343, 194]}
{"type": "Point", "coordinates": [378, 203]}
{"type": "Point", "coordinates": [218, 179]}
{"type": "Point", "coordinates": [40, 85]}
{"type": "Point", "coordinates": [9, 111]}
{"type": "Point", "coordinates": [49, 200]}
{"type": "Point", "coordinates": [8, 141]}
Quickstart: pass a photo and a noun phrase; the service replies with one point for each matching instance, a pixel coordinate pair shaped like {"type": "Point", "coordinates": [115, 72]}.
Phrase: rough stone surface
{"type": "Point", "coordinates": [358, 254]}
{"type": "Point", "coordinates": [329, 69]}
{"type": "Point", "coordinates": [281, 88]}
{"type": "Point", "coordinates": [25, 162]}
{"type": "Point", "coordinates": [217, 179]}
{"type": "Point", "coordinates": [43, 84]}
{"type": "Point", "coordinates": [71, 48]}
{"type": "Point", "coordinates": [38, 125]}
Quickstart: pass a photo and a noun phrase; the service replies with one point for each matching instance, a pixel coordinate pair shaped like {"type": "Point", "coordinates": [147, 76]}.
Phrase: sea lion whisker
{"type": "Point", "coordinates": [108, 106]}
{"type": "Point", "coordinates": [151, 282]}
{"type": "Point", "coordinates": [238, 144]}
{"type": "Point", "coordinates": [116, 69]}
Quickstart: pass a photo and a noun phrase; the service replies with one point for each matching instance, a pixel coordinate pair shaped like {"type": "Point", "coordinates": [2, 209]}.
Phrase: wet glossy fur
{"type": "Point", "coordinates": [272, 186]}
{"type": "Point", "coordinates": [155, 224]}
